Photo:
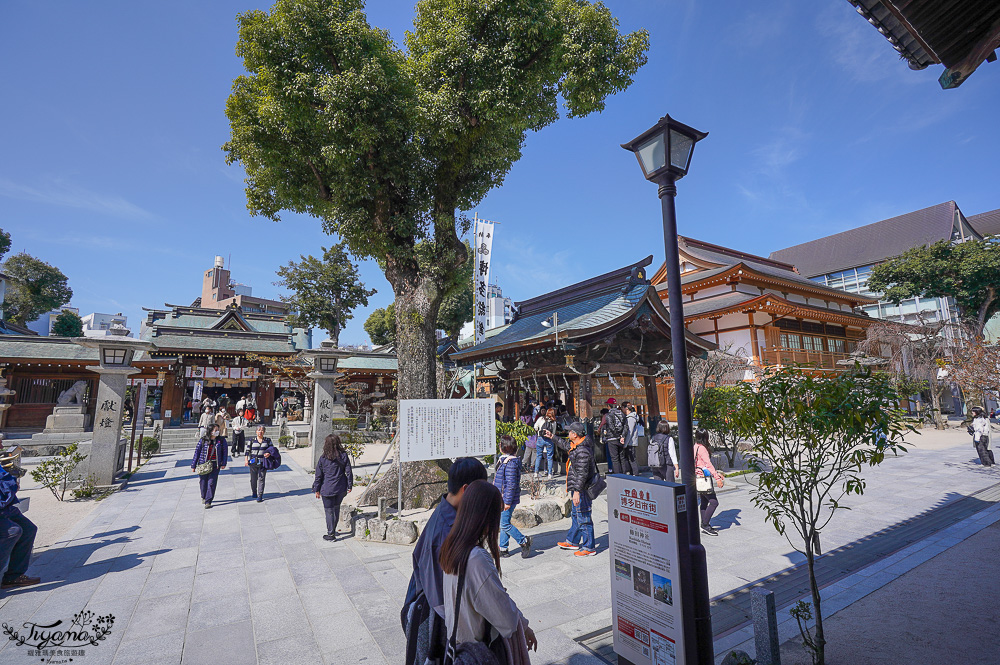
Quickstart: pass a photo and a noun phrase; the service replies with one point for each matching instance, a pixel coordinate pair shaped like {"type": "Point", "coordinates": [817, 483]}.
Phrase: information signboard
{"type": "Point", "coordinates": [444, 428]}
{"type": "Point", "coordinates": [646, 595]}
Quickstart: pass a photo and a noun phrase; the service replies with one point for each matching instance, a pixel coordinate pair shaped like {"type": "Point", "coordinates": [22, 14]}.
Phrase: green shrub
{"type": "Point", "coordinates": [344, 423]}
{"type": "Point", "coordinates": [354, 445]}
{"type": "Point", "coordinates": [54, 473]}
{"type": "Point", "coordinates": [284, 440]}
{"type": "Point", "coordinates": [150, 446]}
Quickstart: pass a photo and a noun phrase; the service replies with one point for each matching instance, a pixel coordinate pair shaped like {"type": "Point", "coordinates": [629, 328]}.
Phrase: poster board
{"type": "Point", "coordinates": [446, 428]}
{"type": "Point", "coordinates": [647, 618]}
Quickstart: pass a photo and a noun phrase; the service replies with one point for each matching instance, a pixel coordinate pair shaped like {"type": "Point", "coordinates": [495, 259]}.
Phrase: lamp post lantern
{"type": "Point", "coordinates": [664, 153]}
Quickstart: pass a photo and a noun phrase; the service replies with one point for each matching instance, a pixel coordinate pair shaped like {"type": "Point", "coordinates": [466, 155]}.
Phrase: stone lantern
{"type": "Point", "coordinates": [115, 353]}
{"type": "Point", "coordinates": [327, 404]}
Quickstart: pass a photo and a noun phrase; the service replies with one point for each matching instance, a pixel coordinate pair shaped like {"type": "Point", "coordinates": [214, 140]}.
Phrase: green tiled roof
{"type": "Point", "coordinates": [237, 343]}
{"type": "Point", "coordinates": [368, 362]}
{"type": "Point", "coordinates": [50, 348]}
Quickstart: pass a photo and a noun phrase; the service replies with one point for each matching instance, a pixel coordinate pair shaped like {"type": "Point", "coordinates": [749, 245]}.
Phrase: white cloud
{"type": "Point", "coordinates": [58, 192]}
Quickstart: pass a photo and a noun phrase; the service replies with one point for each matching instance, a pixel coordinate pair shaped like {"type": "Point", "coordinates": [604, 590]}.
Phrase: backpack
{"type": "Point", "coordinates": [614, 424]}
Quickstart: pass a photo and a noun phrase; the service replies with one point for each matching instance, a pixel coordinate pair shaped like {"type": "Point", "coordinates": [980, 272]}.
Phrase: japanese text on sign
{"type": "Point", "coordinates": [444, 428]}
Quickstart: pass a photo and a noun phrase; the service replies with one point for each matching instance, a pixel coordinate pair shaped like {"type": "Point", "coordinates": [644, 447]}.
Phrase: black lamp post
{"type": "Point", "coordinates": [664, 153]}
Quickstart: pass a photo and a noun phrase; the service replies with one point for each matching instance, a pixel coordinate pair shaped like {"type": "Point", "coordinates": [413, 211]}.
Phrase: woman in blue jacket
{"type": "Point", "coordinates": [508, 480]}
{"type": "Point", "coordinates": [211, 448]}
{"type": "Point", "coordinates": [334, 480]}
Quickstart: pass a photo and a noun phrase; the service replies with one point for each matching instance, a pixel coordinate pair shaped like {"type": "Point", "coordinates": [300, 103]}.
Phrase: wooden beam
{"type": "Point", "coordinates": [955, 75]}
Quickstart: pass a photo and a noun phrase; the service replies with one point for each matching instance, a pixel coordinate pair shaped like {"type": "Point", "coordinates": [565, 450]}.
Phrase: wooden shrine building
{"type": "Point", "coordinates": [606, 337]}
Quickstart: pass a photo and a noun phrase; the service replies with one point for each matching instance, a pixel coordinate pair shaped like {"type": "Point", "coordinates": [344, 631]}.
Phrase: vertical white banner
{"type": "Point", "coordinates": [483, 250]}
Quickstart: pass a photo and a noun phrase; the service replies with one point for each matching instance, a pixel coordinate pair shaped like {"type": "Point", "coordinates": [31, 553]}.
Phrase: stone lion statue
{"type": "Point", "coordinates": [72, 395]}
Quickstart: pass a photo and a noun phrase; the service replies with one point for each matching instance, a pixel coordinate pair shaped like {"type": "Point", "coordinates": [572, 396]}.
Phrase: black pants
{"type": "Point", "coordinates": [208, 483]}
{"type": "Point", "coordinates": [239, 442]}
{"type": "Point", "coordinates": [331, 504]}
{"type": "Point", "coordinates": [17, 538]}
{"type": "Point", "coordinates": [622, 458]}
{"type": "Point", "coordinates": [985, 454]}
{"type": "Point", "coordinates": [663, 472]}
{"type": "Point", "coordinates": [709, 502]}
{"type": "Point", "coordinates": [257, 475]}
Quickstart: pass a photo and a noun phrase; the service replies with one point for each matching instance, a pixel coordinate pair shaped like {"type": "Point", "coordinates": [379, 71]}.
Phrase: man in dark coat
{"type": "Point", "coordinates": [423, 610]}
{"type": "Point", "coordinates": [580, 470]}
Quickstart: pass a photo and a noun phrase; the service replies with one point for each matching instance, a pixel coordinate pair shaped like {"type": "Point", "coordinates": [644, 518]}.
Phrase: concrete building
{"type": "Point", "coordinates": [845, 260]}
{"type": "Point", "coordinates": [218, 291]}
{"type": "Point", "coordinates": [499, 310]}
{"type": "Point", "coordinates": [98, 324]}
{"type": "Point", "coordinates": [43, 324]}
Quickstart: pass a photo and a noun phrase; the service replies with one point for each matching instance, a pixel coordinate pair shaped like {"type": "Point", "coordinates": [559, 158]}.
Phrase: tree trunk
{"type": "Point", "coordinates": [820, 649]}
{"type": "Point", "coordinates": [418, 299]}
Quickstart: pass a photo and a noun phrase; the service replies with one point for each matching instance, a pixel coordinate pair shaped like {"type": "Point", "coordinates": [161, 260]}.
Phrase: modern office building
{"type": "Point", "coordinates": [218, 291]}
{"type": "Point", "coordinates": [499, 309]}
{"type": "Point", "coordinates": [845, 260]}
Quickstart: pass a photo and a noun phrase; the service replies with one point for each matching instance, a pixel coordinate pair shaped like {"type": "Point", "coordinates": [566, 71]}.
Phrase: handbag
{"type": "Point", "coordinates": [596, 485]}
{"type": "Point", "coordinates": [208, 466]}
{"type": "Point", "coordinates": [472, 653]}
{"type": "Point", "coordinates": [703, 480]}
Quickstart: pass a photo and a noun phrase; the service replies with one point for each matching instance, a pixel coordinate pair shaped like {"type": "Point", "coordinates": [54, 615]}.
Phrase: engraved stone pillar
{"type": "Point", "coordinates": [327, 403]}
{"type": "Point", "coordinates": [765, 626]}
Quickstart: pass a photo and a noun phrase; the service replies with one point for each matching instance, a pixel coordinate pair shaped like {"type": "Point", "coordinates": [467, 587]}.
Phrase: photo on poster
{"type": "Point", "coordinates": [641, 581]}
{"type": "Point", "coordinates": [663, 590]}
{"type": "Point", "coordinates": [623, 570]}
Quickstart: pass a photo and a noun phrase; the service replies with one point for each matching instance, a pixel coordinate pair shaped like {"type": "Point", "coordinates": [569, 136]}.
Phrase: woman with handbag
{"type": "Point", "coordinates": [259, 454]}
{"type": "Point", "coordinates": [484, 624]}
{"type": "Point", "coordinates": [705, 472]}
{"type": "Point", "coordinates": [334, 480]}
{"type": "Point", "coordinates": [209, 459]}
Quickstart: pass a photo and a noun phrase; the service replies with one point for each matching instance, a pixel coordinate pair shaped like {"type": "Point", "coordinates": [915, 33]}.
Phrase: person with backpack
{"type": "Point", "coordinates": [508, 480]}
{"type": "Point", "coordinates": [545, 427]}
{"type": "Point", "coordinates": [334, 480]}
{"type": "Point", "coordinates": [663, 453]}
{"type": "Point", "coordinates": [422, 616]}
{"type": "Point", "coordinates": [980, 430]}
{"type": "Point", "coordinates": [579, 472]}
{"type": "Point", "coordinates": [633, 426]}
{"type": "Point", "coordinates": [209, 459]}
{"type": "Point", "coordinates": [613, 436]}
{"type": "Point", "coordinates": [483, 622]}
{"type": "Point", "coordinates": [703, 465]}
{"type": "Point", "coordinates": [262, 456]}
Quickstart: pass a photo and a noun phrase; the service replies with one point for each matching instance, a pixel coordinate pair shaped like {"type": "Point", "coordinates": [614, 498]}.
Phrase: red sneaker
{"type": "Point", "coordinates": [583, 552]}
{"type": "Point", "coordinates": [568, 546]}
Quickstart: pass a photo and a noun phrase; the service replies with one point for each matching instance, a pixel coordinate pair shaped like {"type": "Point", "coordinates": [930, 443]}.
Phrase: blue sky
{"type": "Point", "coordinates": [113, 117]}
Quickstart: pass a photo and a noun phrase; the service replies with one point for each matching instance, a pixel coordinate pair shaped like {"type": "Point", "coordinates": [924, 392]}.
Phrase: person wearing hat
{"type": "Point", "coordinates": [981, 436]}
{"type": "Point", "coordinates": [612, 434]}
{"type": "Point", "coordinates": [580, 469]}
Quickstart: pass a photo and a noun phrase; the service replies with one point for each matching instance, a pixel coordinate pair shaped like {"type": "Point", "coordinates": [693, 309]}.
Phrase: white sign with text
{"type": "Point", "coordinates": [446, 428]}
{"type": "Point", "coordinates": [646, 597]}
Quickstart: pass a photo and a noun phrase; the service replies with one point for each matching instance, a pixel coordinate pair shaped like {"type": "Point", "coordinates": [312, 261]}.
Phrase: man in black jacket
{"type": "Point", "coordinates": [580, 470]}
{"type": "Point", "coordinates": [612, 434]}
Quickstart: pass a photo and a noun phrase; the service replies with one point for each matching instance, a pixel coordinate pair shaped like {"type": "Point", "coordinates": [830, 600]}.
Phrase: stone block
{"type": "Point", "coordinates": [376, 529]}
{"type": "Point", "coordinates": [524, 518]}
{"type": "Point", "coordinates": [548, 511]}
{"type": "Point", "coordinates": [401, 532]}
{"type": "Point", "coordinates": [361, 527]}
{"type": "Point", "coordinates": [737, 657]}
{"type": "Point", "coordinates": [346, 522]}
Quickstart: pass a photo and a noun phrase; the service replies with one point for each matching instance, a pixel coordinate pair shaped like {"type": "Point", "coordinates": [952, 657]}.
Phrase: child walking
{"type": "Point", "coordinates": [508, 480]}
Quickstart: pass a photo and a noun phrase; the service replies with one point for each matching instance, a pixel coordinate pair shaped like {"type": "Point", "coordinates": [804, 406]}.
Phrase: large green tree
{"type": "Point", "coordinates": [324, 291]}
{"type": "Point", "coordinates": [968, 272]}
{"type": "Point", "coordinates": [68, 324]}
{"type": "Point", "coordinates": [35, 287]}
{"type": "Point", "coordinates": [386, 144]}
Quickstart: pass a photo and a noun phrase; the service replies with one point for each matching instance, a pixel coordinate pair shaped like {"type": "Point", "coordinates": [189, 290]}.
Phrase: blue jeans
{"type": "Point", "coordinates": [545, 448]}
{"type": "Point", "coordinates": [17, 538]}
{"type": "Point", "coordinates": [581, 529]}
{"type": "Point", "coordinates": [508, 530]}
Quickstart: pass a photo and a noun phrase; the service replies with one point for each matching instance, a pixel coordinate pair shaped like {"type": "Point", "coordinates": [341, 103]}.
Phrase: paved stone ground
{"type": "Point", "coordinates": [255, 583]}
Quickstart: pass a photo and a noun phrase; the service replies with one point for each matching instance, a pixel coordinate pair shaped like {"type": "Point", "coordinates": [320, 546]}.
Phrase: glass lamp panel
{"type": "Point", "coordinates": [680, 150]}
{"type": "Point", "coordinates": [652, 154]}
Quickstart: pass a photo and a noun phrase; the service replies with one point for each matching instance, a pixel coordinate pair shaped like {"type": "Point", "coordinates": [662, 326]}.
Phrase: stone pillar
{"type": "Point", "coordinates": [327, 403]}
{"type": "Point", "coordinates": [107, 452]}
{"type": "Point", "coordinates": [326, 409]}
{"type": "Point", "coordinates": [765, 626]}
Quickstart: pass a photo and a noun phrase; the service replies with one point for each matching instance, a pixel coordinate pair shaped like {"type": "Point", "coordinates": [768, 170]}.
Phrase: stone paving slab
{"type": "Point", "coordinates": [255, 583]}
